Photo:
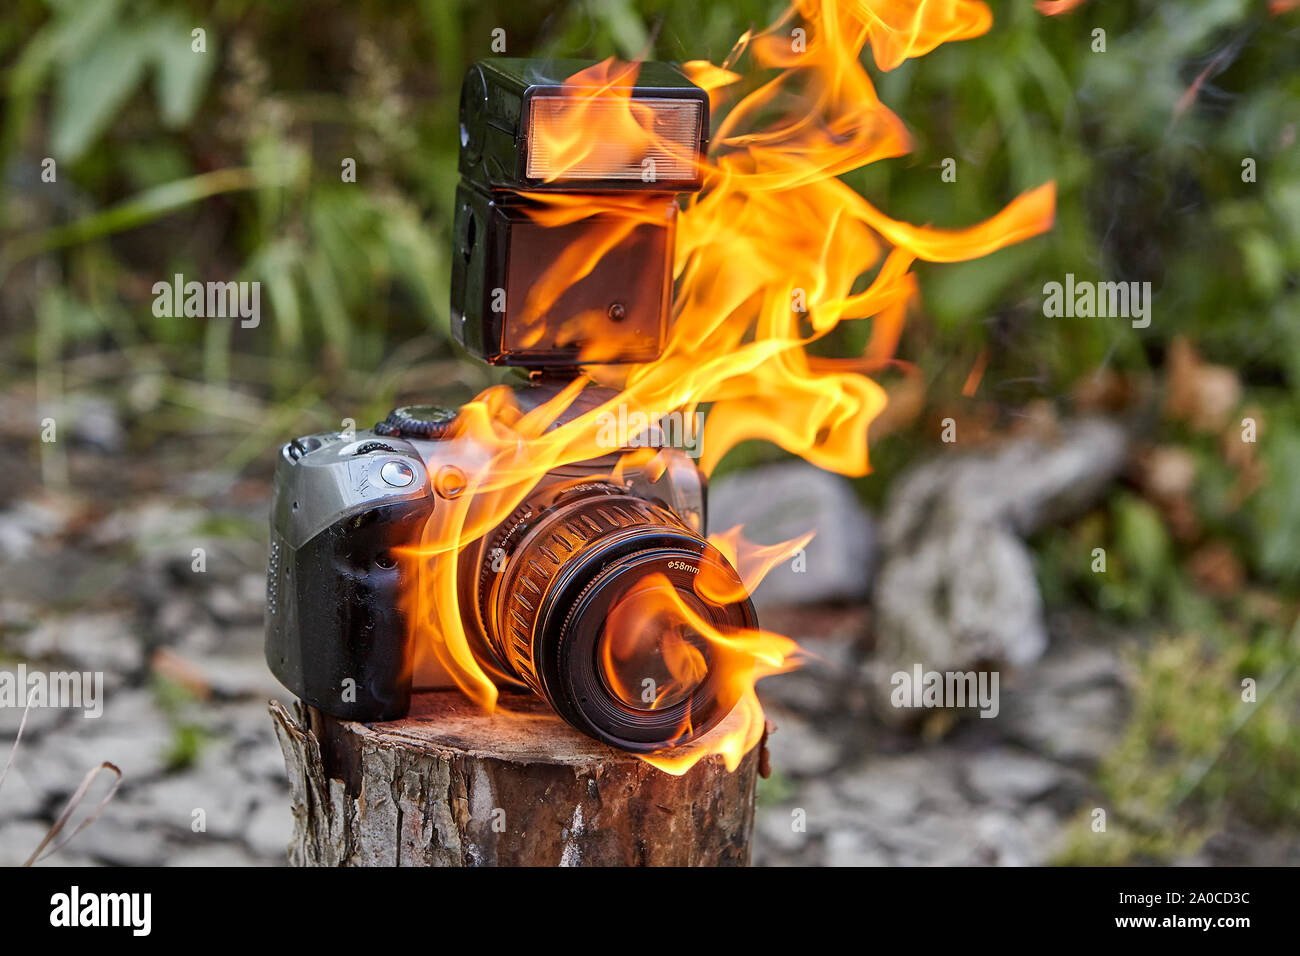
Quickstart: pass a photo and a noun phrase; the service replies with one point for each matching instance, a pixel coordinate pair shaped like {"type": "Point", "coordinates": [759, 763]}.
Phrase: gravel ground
{"type": "Point", "coordinates": [117, 588]}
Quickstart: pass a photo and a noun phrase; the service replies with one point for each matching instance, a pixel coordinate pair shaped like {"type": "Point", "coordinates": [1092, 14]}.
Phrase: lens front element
{"type": "Point", "coordinates": [651, 656]}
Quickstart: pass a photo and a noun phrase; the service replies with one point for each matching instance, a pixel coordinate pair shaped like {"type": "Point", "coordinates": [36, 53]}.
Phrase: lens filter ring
{"type": "Point", "coordinates": [572, 654]}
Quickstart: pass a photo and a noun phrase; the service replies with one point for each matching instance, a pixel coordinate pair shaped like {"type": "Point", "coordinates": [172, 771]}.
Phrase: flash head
{"type": "Point", "coordinates": [581, 125]}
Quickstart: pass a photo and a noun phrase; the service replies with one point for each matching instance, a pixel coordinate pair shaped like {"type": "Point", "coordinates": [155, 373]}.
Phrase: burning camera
{"type": "Point", "coordinates": [588, 591]}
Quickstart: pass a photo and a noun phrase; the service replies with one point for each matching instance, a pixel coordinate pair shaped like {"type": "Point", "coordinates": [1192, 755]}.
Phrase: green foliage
{"type": "Point", "coordinates": [177, 702]}
{"type": "Point", "coordinates": [1119, 560]}
{"type": "Point", "coordinates": [1195, 755]}
{"type": "Point", "coordinates": [187, 744]}
{"type": "Point", "coordinates": [1274, 509]}
{"type": "Point", "coordinates": [774, 789]}
{"type": "Point", "coordinates": [286, 91]}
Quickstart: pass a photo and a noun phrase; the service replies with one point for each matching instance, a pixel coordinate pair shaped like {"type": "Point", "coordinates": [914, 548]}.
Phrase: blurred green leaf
{"type": "Point", "coordinates": [180, 74]}
{"type": "Point", "coordinates": [145, 207]}
{"type": "Point", "coordinates": [624, 25]}
{"type": "Point", "coordinates": [1276, 505]}
{"type": "Point", "coordinates": [92, 88]}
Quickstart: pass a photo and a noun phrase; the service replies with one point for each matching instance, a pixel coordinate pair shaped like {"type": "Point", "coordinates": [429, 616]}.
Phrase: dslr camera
{"type": "Point", "coordinates": [554, 599]}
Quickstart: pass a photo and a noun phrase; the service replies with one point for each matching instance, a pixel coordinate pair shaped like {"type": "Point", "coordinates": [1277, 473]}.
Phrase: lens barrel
{"type": "Point", "coordinates": [565, 572]}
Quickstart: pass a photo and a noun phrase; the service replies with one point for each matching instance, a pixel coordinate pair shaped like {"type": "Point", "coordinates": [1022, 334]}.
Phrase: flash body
{"type": "Point", "coordinates": [513, 116]}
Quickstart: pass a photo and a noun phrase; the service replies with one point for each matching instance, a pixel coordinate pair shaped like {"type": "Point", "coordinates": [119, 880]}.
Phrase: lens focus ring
{"type": "Point", "coordinates": [552, 548]}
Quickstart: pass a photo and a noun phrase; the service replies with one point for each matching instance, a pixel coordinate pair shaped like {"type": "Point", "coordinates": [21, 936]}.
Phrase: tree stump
{"type": "Point", "coordinates": [452, 786]}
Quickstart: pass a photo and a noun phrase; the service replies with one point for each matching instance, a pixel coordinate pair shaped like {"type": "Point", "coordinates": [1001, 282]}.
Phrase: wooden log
{"type": "Point", "coordinates": [453, 786]}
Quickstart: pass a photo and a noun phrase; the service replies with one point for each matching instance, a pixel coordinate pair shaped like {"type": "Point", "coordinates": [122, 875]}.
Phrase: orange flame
{"type": "Point", "coordinates": [742, 658]}
{"type": "Point", "coordinates": [595, 128]}
{"type": "Point", "coordinates": [768, 257]}
{"type": "Point", "coordinates": [1053, 8]}
{"type": "Point", "coordinates": [751, 561]}
{"type": "Point", "coordinates": [643, 625]}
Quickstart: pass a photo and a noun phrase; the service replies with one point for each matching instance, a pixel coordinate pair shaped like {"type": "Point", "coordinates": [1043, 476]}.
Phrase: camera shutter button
{"type": "Point", "coordinates": [397, 473]}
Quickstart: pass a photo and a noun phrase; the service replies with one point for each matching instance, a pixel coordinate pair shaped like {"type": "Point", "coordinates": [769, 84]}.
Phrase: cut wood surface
{"type": "Point", "coordinates": [453, 786]}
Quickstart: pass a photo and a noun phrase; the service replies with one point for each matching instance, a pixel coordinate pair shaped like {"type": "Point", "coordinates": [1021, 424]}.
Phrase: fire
{"type": "Point", "coordinates": [646, 624]}
{"type": "Point", "coordinates": [750, 560]}
{"type": "Point", "coordinates": [741, 659]}
{"type": "Point", "coordinates": [767, 259]}
{"type": "Point", "coordinates": [1052, 8]}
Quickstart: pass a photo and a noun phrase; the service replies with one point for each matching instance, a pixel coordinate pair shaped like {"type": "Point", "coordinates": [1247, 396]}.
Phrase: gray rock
{"type": "Point", "coordinates": [996, 838]}
{"type": "Point", "coordinates": [775, 831]}
{"type": "Point", "coordinates": [242, 722]}
{"type": "Point", "coordinates": [214, 784]}
{"type": "Point", "coordinates": [930, 839]}
{"type": "Point", "coordinates": [889, 790]}
{"type": "Point", "coordinates": [138, 751]}
{"type": "Point", "coordinates": [127, 708]}
{"type": "Point", "coordinates": [794, 832]}
{"type": "Point", "coordinates": [47, 769]}
{"type": "Point", "coordinates": [798, 747]}
{"type": "Point", "coordinates": [965, 600]}
{"type": "Point", "coordinates": [1074, 709]}
{"type": "Point", "coordinates": [118, 839]}
{"type": "Point", "coordinates": [171, 802]}
{"type": "Point", "coordinates": [18, 797]}
{"type": "Point", "coordinates": [854, 848]}
{"type": "Point", "coordinates": [40, 720]}
{"type": "Point", "coordinates": [214, 854]}
{"type": "Point", "coordinates": [244, 640]}
{"type": "Point", "coordinates": [780, 502]}
{"type": "Point", "coordinates": [148, 525]}
{"type": "Point", "coordinates": [956, 589]}
{"type": "Point", "coordinates": [20, 837]}
{"type": "Point", "coordinates": [881, 796]}
{"type": "Point", "coordinates": [177, 617]}
{"type": "Point", "coordinates": [28, 522]}
{"type": "Point", "coordinates": [104, 641]}
{"type": "Point", "coordinates": [17, 613]}
{"type": "Point", "coordinates": [262, 760]}
{"type": "Point", "coordinates": [920, 809]}
{"type": "Point", "coordinates": [1025, 483]}
{"type": "Point", "coordinates": [269, 830]}
{"type": "Point", "coordinates": [228, 676]}
{"type": "Point", "coordinates": [1004, 776]}
{"type": "Point", "coordinates": [232, 604]}
{"type": "Point", "coordinates": [132, 733]}
{"type": "Point", "coordinates": [815, 687]}
{"type": "Point", "coordinates": [94, 422]}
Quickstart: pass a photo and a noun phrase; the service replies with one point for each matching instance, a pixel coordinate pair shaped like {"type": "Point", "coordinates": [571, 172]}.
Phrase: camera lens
{"type": "Point", "coordinates": [651, 657]}
{"type": "Point", "coordinates": [595, 609]}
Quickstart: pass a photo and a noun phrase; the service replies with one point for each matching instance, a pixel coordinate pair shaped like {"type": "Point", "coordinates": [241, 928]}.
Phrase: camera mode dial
{"type": "Point", "coordinates": [417, 421]}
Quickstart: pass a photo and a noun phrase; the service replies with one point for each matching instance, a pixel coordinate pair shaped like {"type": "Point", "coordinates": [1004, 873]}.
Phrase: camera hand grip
{"type": "Point", "coordinates": [335, 632]}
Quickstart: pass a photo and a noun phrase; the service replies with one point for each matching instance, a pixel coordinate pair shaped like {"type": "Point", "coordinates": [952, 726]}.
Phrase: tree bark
{"type": "Point", "coordinates": [453, 786]}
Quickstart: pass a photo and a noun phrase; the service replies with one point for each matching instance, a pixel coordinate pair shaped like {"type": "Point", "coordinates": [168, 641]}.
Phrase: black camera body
{"type": "Point", "coordinates": [339, 634]}
{"type": "Point", "coordinates": [559, 597]}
